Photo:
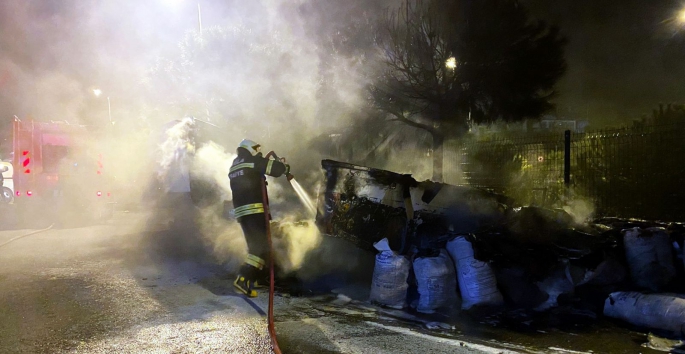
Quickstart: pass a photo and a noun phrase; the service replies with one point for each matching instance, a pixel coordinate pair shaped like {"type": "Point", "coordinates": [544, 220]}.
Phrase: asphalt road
{"type": "Point", "coordinates": [119, 287]}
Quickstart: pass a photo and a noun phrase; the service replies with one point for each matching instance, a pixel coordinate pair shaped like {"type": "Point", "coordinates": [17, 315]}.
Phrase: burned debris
{"type": "Point", "coordinates": [444, 248]}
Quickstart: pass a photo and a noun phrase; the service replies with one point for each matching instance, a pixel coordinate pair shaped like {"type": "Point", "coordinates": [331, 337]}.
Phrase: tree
{"type": "Point", "coordinates": [445, 64]}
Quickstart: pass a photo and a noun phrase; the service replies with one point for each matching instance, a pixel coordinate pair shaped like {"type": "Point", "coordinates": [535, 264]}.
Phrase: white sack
{"type": "Point", "coordinates": [437, 282]}
{"type": "Point", "coordinates": [389, 284]}
{"type": "Point", "coordinates": [477, 282]}
{"type": "Point", "coordinates": [658, 311]}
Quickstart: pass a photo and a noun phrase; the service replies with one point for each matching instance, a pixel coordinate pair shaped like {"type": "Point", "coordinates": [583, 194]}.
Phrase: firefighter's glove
{"type": "Point", "coordinates": [287, 169]}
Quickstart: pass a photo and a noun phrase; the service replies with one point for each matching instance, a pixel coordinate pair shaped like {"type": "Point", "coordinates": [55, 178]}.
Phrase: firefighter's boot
{"type": "Point", "coordinates": [245, 285]}
{"type": "Point", "coordinates": [245, 282]}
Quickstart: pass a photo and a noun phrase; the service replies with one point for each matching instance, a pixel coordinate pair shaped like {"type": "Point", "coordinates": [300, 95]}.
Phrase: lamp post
{"type": "Point", "coordinates": [199, 18]}
{"type": "Point", "coordinates": [97, 92]}
{"type": "Point", "coordinates": [175, 4]}
{"type": "Point", "coordinates": [109, 110]}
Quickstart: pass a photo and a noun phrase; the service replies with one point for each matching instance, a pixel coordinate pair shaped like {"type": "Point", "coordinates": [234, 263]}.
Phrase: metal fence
{"type": "Point", "coordinates": [630, 172]}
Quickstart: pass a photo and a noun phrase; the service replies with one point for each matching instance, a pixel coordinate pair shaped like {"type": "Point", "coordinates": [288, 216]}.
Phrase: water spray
{"type": "Point", "coordinates": [205, 122]}
{"type": "Point", "coordinates": [301, 193]}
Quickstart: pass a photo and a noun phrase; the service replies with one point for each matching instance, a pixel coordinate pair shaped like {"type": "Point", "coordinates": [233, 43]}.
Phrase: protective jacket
{"type": "Point", "coordinates": [246, 176]}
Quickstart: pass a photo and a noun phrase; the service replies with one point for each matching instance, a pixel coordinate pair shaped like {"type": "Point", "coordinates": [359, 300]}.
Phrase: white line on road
{"type": "Point", "coordinates": [562, 350]}
{"type": "Point", "coordinates": [453, 342]}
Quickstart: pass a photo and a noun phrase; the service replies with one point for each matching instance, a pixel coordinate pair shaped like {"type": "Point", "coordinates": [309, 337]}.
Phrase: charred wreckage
{"type": "Point", "coordinates": [441, 248]}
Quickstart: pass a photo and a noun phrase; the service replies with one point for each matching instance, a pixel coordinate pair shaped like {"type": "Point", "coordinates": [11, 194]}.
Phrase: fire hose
{"type": "Point", "coordinates": [28, 234]}
{"type": "Point", "coordinates": [267, 216]}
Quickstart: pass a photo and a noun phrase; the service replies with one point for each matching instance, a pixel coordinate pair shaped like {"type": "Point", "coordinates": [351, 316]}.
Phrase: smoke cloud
{"type": "Point", "coordinates": [293, 241]}
{"type": "Point", "coordinates": [174, 152]}
{"type": "Point", "coordinates": [268, 70]}
{"type": "Point", "coordinates": [224, 238]}
{"type": "Point", "coordinates": [212, 163]}
{"type": "Point", "coordinates": [580, 209]}
{"type": "Point", "coordinates": [279, 72]}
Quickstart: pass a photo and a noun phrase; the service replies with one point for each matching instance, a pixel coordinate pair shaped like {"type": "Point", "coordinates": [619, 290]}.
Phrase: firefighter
{"type": "Point", "coordinates": [248, 184]}
{"type": "Point", "coordinates": [176, 146]}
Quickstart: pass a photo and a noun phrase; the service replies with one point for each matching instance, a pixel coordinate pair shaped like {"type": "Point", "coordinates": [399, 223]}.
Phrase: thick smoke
{"type": "Point", "coordinates": [223, 238]}
{"type": "Point", "coordinates": [580, 209]}
{"type": "Point", "coordinates": [212, 163]}
{"type": "Point", "coordinates": [293, 240]}
{"type": "Point", "coordinates": [284, 73]}
{"type": "Point", "coordinates": [266, 70]}
{"type": "Point", "coordinates": [174, 153]}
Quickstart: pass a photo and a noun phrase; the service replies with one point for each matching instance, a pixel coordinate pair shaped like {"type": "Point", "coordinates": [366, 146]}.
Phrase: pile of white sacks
{"type": "Point", "coordinates": [454, 278]}
{"type": "Point", "coordinates": [651, 266]}
{"type": "Point", "coordinates": [439, 279]}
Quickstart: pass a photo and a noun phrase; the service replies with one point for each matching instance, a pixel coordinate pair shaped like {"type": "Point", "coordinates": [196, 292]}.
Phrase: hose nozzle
{"type": "Point", "coordinates": [289, 176]}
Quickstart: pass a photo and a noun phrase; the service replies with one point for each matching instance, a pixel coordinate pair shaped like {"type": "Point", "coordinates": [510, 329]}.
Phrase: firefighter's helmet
{"type": "Point", "coordinates": [250, 146]}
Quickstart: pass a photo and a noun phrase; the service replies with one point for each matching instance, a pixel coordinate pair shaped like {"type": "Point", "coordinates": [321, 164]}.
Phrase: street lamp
{"type": "Point", "coordinates": [451, 63]}
{"type": "Point", "coordinates": [678, 19]}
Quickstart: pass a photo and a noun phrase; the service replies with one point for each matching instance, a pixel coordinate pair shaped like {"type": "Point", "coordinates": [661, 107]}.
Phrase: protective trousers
{"type": "Point", "coordinates": [254, 229]}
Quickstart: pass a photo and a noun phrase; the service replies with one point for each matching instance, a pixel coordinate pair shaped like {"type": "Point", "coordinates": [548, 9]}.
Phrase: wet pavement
{"type": "Point", "coordinates": [92, 290]}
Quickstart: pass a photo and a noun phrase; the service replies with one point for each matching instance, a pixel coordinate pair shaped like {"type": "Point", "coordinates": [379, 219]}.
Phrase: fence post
{"type": "Point", "coordinates": [567, 159]}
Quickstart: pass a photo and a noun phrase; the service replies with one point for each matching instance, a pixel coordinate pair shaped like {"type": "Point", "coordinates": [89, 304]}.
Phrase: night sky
{"type": "Point", "coordinates": [624, 57]}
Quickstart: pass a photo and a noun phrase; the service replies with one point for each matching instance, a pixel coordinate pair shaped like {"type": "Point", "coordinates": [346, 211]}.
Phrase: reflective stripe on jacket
{"type": "Point", "coordinates": [246, 175]}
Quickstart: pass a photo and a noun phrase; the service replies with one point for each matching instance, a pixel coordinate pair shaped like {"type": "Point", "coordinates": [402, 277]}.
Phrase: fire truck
{"type": "Point", "coordinates": [59, 169]}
